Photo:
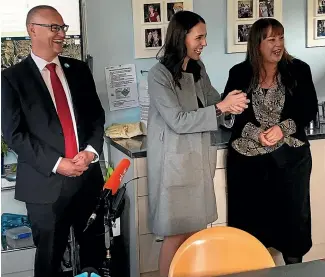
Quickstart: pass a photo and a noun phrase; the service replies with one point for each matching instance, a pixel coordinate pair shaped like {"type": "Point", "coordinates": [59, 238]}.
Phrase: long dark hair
{"type": "Point", "coordinates": [257, 34]}
{"type": "Point", "coordinates": [174, 51]}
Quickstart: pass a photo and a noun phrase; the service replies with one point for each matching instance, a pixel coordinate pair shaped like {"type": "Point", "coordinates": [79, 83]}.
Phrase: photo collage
{"type": "Point", "coordinates": [319, 19]}
{"type": "Point", "coordinates": [247, 12]}
{"type": "Point", "coordinates": [155, 19]}
{"type": "Point", "coordinates": [13, 50]}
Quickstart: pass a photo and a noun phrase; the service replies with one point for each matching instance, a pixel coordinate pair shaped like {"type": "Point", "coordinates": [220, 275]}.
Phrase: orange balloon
{"type": "Point", "coordinates": [219, 251]}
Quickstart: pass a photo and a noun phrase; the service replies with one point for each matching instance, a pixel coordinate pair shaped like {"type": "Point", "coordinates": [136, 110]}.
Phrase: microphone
{"type": "Point", "coordinates": [113, 182]}
{"type": "Point", "coordinates": [110, 187]}
{"type": "Point", "coordinates": [89, 272]}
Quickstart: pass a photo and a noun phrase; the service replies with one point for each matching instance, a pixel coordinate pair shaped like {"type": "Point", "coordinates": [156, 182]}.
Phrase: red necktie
{"type": "Point", "coordinates": [64, 114]}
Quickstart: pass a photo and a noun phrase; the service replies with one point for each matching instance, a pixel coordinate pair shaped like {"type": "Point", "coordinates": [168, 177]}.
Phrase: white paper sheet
{"type": "Point", "coordinates": [121, 86]}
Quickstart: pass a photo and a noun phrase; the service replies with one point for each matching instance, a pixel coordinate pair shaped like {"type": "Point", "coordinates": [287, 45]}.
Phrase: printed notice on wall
{"type": "Point", "coordinates": [121, 87]}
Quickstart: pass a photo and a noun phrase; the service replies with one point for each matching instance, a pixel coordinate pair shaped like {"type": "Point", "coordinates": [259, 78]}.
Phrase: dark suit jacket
{"type": "Point", "coordinates": [301, 104]}
{"type": "Point", "coordinates": [31, 127]}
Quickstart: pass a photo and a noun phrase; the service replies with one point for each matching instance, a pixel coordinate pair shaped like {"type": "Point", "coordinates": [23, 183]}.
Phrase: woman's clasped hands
{"type": "Point", "coordinates": [235, 102]}
{"type": "Point", "coordinates": [271, 136]}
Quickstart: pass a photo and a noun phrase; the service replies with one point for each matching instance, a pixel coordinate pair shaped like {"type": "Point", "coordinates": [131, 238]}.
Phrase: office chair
{"type": "Point", "coordinates": [218, 251]}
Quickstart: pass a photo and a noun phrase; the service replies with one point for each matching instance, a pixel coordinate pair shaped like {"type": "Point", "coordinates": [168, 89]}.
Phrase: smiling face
{"type": "Point", "coordinates": [45, 43]}
{"type": "Point", "coordinates": [272, 47]}
{"type": "Point", "coordinates": [195, 41]}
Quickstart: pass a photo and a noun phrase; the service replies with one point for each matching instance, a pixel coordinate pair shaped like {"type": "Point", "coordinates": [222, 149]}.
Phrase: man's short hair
{"type": "Point", "coordinates": [33, 11]}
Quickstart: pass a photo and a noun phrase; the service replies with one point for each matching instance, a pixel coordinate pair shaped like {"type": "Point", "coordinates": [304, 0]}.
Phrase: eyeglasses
{"type": "Point", "coordinates": [54, 27]}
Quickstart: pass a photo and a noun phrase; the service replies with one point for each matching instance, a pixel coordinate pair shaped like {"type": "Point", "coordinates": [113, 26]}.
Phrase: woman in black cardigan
{"type": "Point", "coordinates": [269, 161]}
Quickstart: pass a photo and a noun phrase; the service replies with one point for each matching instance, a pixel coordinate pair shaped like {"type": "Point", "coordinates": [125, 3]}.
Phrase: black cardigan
{"type": "Point", "coordinates": [301, 104]}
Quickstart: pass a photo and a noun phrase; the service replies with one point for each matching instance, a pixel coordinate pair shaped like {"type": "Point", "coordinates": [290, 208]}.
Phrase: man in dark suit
{"type": "Point", "coordinates": [53, 119]}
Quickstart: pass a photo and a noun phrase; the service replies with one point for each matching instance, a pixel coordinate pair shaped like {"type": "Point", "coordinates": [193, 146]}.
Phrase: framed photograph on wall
{"type": "Point", "coordinates": [241, 14]}
{"type": "Point", "coordinates": [173, 7]}
{"type": "Point", "coordinates": [242, 32]}
{"type": "Point", "coordinates": [152, 13]}
{"type": "Point", "coordinates": [319, 28]}
{"type": "Point", "coordinates": [265, 8]}
{"type": "Point", "coordinates": [320, 8]}
{"type": "Point", "coordinates": [150, 21]}
{"type": "Point", "coordinates": [315, 23]}
{"type": "Point", "coordinates": [245, 9]}
{"type": "Point", "coordinates": [153, 37]}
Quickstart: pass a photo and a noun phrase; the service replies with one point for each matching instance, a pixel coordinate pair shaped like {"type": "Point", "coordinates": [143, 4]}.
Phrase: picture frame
{"type": "Point", "coordinates": [245, 9]}
{"type": "Point", "coordinates": [153, 37]}
{"type": "Point", "coordinates": [315, 23]}
{"type": "Point", "coordinates": [243, 13]}
{"type": "Point", "coordinates": [153, 16]}
{"type": "Point", "coordinates": [172, 7]}
{"type": "Point", "coordinates": [319, 28]}
{"type": "Point", "coordinates": [241, 35]}
{"type": "Point", "coordinates": [266, 8]}
{"type": "Point", "coordinates": [152, 13]}
{"type": "Point", "coordinates": [319, 7]}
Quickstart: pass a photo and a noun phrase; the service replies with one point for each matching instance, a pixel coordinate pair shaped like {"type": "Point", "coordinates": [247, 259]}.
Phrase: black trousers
{"type": "Point", "coordinates": [51, 225]}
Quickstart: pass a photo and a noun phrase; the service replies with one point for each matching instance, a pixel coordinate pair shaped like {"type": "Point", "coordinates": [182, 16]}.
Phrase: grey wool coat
{"type": "Point", "coordinates": [181, 162]}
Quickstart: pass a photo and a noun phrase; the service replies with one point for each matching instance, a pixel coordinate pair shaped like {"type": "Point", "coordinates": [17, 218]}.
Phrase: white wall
{"type": "Point", "coordinates": [110, 42]}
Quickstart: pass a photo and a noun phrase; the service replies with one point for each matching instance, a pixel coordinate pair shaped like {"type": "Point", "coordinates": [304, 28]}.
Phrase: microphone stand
{"type": "Point", "coordinates": [108, 225]}
{"type": "Point", "coordinates": [112, 205]}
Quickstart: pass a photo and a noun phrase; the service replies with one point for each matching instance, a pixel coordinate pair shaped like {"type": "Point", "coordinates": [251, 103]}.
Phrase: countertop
{"type": "Point", "coordinates": [134, 147]}
{"type": "Point", "coordinates": [137, 147]}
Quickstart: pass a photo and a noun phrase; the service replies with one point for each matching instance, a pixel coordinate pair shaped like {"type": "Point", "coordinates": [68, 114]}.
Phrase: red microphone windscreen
{"type": "Point", "coordinates": [115, 180]}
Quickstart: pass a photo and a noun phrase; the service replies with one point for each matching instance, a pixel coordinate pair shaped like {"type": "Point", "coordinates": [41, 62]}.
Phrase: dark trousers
{"type": "Point", "coordinates": [51, 225]}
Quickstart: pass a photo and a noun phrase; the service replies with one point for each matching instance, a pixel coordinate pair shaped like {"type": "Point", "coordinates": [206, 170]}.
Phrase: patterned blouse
{"type": "Point", "coordinates": [267, 105]}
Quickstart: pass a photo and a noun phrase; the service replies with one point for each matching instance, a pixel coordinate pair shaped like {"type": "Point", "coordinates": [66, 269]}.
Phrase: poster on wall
{"type": "Point", "coordinates": [315, 23]}
{"type": "Point", "coordinates": [121, 83]}
{"type": "Point", "coordinates": [15, 42]}
{"type": "Point", "coordinates": [241, 14]}
{"type": "Point", "coordinates": [150, 21]}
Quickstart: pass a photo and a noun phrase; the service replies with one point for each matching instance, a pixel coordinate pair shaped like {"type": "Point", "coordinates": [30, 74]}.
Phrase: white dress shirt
{"type": "Point", "coordinates": [41, 64]}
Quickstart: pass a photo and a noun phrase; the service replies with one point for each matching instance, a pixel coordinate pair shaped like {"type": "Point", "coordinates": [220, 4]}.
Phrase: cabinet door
{"type": "Point", "coordinates": [317, 191]}
{"type": "Point", "coordinates": [17, 261]}
{"type": "Point", "coordinates": [141, 171]}
{"type": "Point", "coordinates": [221, 195]}
{"type": "Point", "coordinates": [143, 215]}
{"type": "Point", "coordinates": [149, 253]}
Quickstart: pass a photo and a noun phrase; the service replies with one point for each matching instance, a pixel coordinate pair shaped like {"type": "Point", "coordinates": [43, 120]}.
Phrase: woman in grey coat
{"type": "Point", "coordinates": [184, 108]}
